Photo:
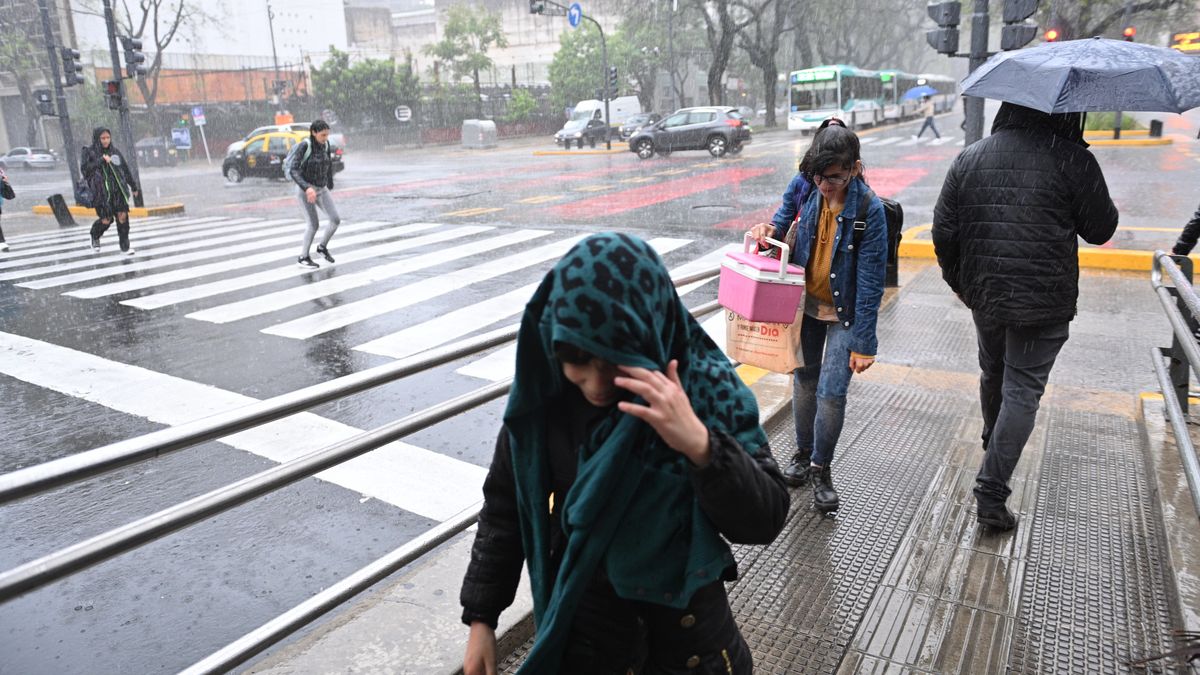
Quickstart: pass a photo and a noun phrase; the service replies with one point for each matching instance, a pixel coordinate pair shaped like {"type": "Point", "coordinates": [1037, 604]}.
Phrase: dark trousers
{"type": "Point", "coordinates": [929, 125]}
{"type": "Point", "coordinates": [99, 227]}
{"type": "Point", "coordinates": [1, 236]}
{"type": "Point", "coordinates": [1015, 362]}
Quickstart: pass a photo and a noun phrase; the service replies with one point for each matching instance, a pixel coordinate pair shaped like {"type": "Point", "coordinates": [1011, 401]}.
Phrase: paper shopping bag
{"type": "Point", "coordinates": [771, 346]}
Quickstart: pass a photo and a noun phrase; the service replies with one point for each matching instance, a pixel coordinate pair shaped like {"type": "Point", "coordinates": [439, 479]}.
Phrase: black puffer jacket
{"type": "Point", "coordinates": [317, 170]}
{"type": "Point", "coordinates": [1005, 226]}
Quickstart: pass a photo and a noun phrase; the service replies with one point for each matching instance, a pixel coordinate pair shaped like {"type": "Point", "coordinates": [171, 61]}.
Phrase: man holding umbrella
{"type": "Point", "coordinates": [1004, 231]}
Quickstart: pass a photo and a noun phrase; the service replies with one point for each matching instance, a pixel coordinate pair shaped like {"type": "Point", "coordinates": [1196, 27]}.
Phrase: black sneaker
{"type": "Point", "coordinates": [825, 498]}
{"type": "Point", "coordinates": [999, 519]}
{"type": "Point", "coordinates": [325, 252]}
{"type": "Point", "coordinates": [796, 473]}
{"type": "Point", "coordinates": [307, 262]}
{"type": "Point", "coordinates": [95, 245]}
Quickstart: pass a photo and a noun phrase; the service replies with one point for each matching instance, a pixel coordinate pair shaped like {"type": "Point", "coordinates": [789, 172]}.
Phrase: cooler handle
{"type": "Point", "coordinates": [785, 254]}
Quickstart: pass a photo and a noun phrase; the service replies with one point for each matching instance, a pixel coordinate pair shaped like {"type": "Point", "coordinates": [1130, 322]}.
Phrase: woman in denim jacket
{"type": "Point", "coordinates": [843, 289]}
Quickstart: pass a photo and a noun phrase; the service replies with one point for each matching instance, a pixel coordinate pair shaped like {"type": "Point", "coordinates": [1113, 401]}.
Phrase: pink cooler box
{"type": "Point", "coordinates": [755, 287]}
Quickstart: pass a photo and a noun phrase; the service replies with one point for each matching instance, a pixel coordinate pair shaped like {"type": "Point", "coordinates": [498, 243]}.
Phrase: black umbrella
{"type": "Point", "coordinates": [1090, 75]}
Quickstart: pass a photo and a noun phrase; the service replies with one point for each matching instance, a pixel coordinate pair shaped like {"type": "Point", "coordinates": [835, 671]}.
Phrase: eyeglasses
{"type": "Point", "coordinates": [836, 181]}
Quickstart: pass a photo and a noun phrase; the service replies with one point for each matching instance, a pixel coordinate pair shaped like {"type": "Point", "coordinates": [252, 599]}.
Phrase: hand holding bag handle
{"type": "Point", "coordinates": [785, 255]}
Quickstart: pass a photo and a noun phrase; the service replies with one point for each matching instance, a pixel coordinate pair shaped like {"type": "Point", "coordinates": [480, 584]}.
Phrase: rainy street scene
{"type": "Point", "coordinates": [599, 337]}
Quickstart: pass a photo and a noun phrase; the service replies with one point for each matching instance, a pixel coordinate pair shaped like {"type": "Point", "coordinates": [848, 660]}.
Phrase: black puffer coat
{"type": "Point", "coordinates": [1012, 205]}
{"type": "Point", "coordinates": [317, 170]}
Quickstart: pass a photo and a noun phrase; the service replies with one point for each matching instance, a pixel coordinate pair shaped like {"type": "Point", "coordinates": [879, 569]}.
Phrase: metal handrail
{"type": "Point", "coordinates": [1174, 383]}
{"type": "Point", "coordinates": [64, 471]}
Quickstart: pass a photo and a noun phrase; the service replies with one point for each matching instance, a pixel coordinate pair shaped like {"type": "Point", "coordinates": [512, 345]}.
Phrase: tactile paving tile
{"type": "Point", "coordinates": [1094, 594]}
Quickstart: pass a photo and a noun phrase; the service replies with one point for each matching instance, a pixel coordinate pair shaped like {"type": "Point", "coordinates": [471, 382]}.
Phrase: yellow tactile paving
{"type": "Point", "coordinates": [474, 212]}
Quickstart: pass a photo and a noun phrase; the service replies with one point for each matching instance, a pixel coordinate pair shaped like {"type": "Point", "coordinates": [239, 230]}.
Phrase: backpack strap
{"type": "Point", "coordinates": [860, 220]}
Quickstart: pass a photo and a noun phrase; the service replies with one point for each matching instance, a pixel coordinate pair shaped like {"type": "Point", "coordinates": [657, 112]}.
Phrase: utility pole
{"type": "Point", "coordinates": [539, 7]}
{"type": "Point", "coordinates": [63, 119]}
{"type": "Point", "coordinates": [671, 52]}
{"type": "Point", "coordinates": [118, 76]}
{"type": "Point", "coordinates": [973, 105]}
{"type": "Point", "coordinates": [275, 57]}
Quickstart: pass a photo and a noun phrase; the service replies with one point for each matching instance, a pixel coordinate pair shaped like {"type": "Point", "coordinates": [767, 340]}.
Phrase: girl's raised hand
{"type": "Point", "coordinates": [669, 411]}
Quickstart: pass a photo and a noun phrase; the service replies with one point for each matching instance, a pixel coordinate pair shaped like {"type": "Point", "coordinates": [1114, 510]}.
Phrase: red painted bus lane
{"type": "Point", "coordinates": [648, 195]}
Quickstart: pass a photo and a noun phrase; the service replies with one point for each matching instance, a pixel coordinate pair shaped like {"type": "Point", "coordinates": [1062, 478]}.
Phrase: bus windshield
{"type": "Point", "coordinates": [815, 95]}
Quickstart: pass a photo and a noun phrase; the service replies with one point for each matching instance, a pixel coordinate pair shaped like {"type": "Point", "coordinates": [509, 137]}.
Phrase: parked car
{"type": "Point", "coordinates": [337, 139]}
{"type": "Point", "coordinates": [636, 122]}
{"type": "Point", "coordinates": [580, 130]}
{"type": "Point", "coordinates": [718, 129]}
{"type": "Point", "coordinates": [29, 158]}
{"type": "Point", "coordinates": [263, 156]}
{"type": "Point", "coordinates": [156, 151]}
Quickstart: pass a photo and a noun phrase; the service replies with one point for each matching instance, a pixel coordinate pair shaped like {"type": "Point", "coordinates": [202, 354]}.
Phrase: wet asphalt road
{"type": "Point", "coordinates": [79, 371]}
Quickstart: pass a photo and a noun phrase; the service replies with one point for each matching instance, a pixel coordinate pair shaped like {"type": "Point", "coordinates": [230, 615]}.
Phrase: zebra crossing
{"type": "Point", "coordinates": [799, 143]}
{"type": "Point", "coordinates": [230, 270]}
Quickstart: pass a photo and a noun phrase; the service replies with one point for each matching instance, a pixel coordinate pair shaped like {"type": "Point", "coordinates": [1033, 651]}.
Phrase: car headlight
{"type": "Point", "coordinates": [577, 135]}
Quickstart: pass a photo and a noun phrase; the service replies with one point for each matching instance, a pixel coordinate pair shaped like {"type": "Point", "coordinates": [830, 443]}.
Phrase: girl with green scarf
{"type": "Point", "coordinates": [631, 454]}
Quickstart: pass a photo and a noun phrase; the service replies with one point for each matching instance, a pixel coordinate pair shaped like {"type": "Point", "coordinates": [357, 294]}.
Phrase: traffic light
{"type": "Point", "coordinates": [1052, 35]}
{"type": "Point", "coordinates": [134, 58]}
{"type": "Point", "coordinates": [537, 6]}
{"type": "Point", "coordinates": [1016, 33]}
{"type": "Point", "coordinates": [944, 38]}
{"type": "Point", "coordinates": [72, 68]}
{"type": "Point", "coordinates": [1129, 33]}
{"type": "Point", "coordinates": [612, 80]}
{"type": "Point", "coordinates": [45, 104]}
{"type": "Point", "coordinates": [112, 94]}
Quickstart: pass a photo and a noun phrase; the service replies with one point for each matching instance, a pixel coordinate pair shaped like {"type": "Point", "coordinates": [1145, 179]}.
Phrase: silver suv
{"type": "Point", "coordinates": [718, 129]}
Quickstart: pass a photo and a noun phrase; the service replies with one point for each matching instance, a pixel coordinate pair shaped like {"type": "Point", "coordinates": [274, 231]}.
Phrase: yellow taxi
{"type": "Point", "coordinates": [263, 156]}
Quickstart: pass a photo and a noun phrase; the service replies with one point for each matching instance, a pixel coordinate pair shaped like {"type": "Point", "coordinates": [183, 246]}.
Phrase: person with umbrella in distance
{"type": "Point", "coordinates": [927, 112]}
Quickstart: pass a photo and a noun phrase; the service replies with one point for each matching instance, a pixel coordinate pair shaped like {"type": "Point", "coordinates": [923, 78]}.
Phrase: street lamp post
{"type": "Point", "coordinates": [275, 58]}
{"type": "Point", "coordinates": [61, 99]}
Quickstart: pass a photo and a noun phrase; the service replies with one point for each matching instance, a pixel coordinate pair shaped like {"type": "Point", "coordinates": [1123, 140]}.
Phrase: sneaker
{"type": "Point", "coordinates": [128, 251]}
{"type": "Point", "coordinates": [95, 245]}
{"type": "Point", "coordinates": [324, 252]}
{"type": "Point", "coordinates": [306, 261]}
{"type": "Point", "coordinates": [3, 246]}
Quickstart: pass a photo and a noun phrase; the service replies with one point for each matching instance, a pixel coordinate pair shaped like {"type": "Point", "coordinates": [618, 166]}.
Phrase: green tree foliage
{"type": "Point", "coordinates": [575, 71]}
{"type": "Point", "coordinates": [23, 57]}
{"type": "Point", "coordinates": [521, 107]}
{"type": "Point", "coordinates": [365, 92]}
{"type": "Point", "coordinates": [468, 34]}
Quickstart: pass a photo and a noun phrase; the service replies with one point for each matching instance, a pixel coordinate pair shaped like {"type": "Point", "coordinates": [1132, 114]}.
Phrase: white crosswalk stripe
{"type": "Point", "coordinates": [79, 236]}
{"type": "Point", "coordinates": [888, 141]}
{"type": "Point", "coordinates": [279, 300]}
{"type": "Point", "coordinates": [944, 140]}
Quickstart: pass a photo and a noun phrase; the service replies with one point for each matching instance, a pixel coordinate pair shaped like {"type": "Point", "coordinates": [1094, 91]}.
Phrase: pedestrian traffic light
{"type": "Point", "coordinates": [537, 6]}
{"type": "Point", "coordinates": [112, 94]}
{"type": "Point", "coordinates": [45, 104]}
{"type": "Point", "coordinates": [134, 58]}
{"type": "Point", "coordinates": [1052, 35]}
{"type": "Point", "coordinates": [612, 80]}
{"type": "Point", "coordinates": [72, 69]}
{"type": "Point", "coordinates": [944, 38]}
{"type": "Point", "coordinates": [1016, 33]}
{"type": "Point", "coordinates": [1129, 33]}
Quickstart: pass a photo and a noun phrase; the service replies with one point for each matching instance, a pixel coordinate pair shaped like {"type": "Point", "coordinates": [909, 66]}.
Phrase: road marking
{"type": "Point", "coordinates": [888, 141]}
{"type": "Point", "coordinates": [418, 291]}
{"type": "Point", "coordinates": [474, 212]}
{"type": "Point", "coordinates": [78, 240]}
{"type": "Point", "coordinates": [640, 179]}
{"type": "Point", "coordinates": [426, 483]}
{"type": "Point", "coordinates": [671, 172]}
{"type": "Point", "coordinates": [593, 188]}
{"type": "Point", "coordinates": [646, 195]}
{"type": "Point", "coordinates": [867, 140]}
{"type": "Point", "coordinates": [943, 140]}
{"type": "Point", "coordinates": [500, 364]}
{"type": "Point", "coordinates": [221, 286]}
{"type": "Point", "coordinates": [197, 271]}
{"type": "Point", "coordinates": [544, 199]}
{"type": "Point", "coordinates": [81, 247]}
{"type": "Point", "coordinates": [910, 142]}
{"type": "Point", "coordinates": [271, 302]}
{"type": "Point", "coordinates": [468, 319]}
{"type": "Point", "coordinates": [72, 233]}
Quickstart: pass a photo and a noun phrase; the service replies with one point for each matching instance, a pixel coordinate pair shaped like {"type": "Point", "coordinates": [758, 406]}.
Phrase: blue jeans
{"type": "Point", "coordinates": [819, 396]}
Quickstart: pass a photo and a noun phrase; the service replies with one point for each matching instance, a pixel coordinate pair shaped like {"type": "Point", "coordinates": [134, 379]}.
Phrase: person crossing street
{"type": "Point", "coordinates": [311, 168]}
{"type": "Point", "coordinates": [111, 182]}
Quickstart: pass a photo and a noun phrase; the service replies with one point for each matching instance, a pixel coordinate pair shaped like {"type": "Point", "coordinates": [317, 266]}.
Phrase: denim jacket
{"type": "Point", "coordinates": [793, 199]}
{"type": "Point", "coordinates": [856, 297]}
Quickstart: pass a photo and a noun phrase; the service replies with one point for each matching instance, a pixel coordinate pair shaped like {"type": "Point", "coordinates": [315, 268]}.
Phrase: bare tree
{"type": "Point", "coordinates": [723, 20]}
{"type": "Point", "coordinates": [23, 55]}
{"type": "Point", "coordinates": [1087, 18]}
{"type": "Point", "coordinates": [852, 32]}
{"type": "Point", "coordinates": [770, 19]}
{"type": "Point", "coordinates": [158, 20]}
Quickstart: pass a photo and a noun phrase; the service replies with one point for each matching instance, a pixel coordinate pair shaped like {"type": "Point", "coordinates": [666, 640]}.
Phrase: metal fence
{"type": "Point", "coordinates": [1171, 364]}
{"type": "Point", "coordinates": [61, 472]}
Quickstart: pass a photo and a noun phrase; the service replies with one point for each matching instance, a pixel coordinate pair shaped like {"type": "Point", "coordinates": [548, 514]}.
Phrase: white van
{"type": "Point", "coordinates": [620, 109]}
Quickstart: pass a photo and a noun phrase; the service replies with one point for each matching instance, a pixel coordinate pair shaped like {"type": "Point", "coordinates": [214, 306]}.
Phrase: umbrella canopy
{"type": "Point", "coordinates": [919, 92]}
{"type": "Point", "coordinates": [1090, 75]}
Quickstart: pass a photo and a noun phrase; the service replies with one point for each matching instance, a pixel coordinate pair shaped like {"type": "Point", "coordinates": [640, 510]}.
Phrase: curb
{"type": "Point", "coordinates": [1134, 142]}
{"type": "Point", "coordinates": [552, 153]}
{"type": "Point", "coordinates": [1124, 259]}
{"type": "Point", "coordinates": [1107, 133]}
{"type": "Point", "coordinates": [134, 211]}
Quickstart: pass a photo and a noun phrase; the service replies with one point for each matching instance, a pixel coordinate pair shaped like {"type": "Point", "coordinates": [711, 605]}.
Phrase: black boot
{"type": "Point", "coordinates": [998, 518]}
{"type": "Point", "coordinates": [825, 498]}
{"type": "Point", "coordinates": [796, 473]}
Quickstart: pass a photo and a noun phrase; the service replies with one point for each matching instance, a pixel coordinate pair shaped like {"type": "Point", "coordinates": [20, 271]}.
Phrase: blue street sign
{"type": "Point", "coordinates": [181, 138]}
{"type": "Point", "coordinates": [198, 115]}
{"type": "Point", "coordinates": [574, 15]}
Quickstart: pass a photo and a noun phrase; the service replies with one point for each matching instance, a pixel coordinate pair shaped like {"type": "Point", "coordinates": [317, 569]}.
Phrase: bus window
{"type": "Point", "coordinates": [815, 96]}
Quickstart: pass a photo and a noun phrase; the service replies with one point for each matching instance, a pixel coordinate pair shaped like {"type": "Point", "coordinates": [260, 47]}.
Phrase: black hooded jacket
{"type": "Point", "coordinates": [91, 165]}
{"type": "Point", "coordinates": [317, 170]}
{"type": "Point", "coordinates": [1005, 226]}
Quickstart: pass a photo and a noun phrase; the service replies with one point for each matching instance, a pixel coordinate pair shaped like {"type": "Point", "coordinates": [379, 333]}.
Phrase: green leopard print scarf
{"type": "Point", "coordinates": [632, 508]}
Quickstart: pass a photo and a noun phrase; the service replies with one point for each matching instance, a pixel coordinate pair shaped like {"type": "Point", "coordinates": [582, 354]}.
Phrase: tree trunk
{"type": "Point", "coordinates": [770, 82]}
{"type": "Point", "coordinates": [31, 111]}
